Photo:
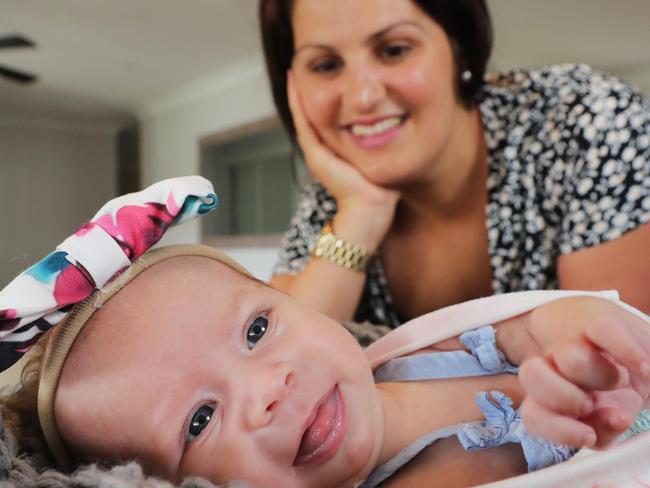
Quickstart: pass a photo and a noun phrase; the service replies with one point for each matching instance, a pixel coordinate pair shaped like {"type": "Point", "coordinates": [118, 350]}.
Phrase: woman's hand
{"type": "Point", "coordinates": [354, 194]}
{"type": "Point", "coordinates": [587, 375]}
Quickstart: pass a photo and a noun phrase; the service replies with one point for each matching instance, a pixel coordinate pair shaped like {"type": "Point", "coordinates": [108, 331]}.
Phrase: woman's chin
{"type": "Point", "coordinates": [390, 178]}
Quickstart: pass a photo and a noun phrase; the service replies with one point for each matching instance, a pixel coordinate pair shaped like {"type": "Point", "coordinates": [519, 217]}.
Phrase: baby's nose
{"type": "Point", "coordinates": [267, 393]}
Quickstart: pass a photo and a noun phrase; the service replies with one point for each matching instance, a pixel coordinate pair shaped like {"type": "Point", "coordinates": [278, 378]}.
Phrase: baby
{"type": "Point", "coordinates": [190, 366]}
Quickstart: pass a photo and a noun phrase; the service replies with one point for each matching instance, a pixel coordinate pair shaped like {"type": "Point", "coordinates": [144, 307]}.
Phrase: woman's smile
{"type": "Point", "coordinates": [377, 132]}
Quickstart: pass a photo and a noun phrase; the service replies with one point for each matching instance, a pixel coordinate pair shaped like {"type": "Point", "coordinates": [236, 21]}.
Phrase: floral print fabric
{"type": "Point", "coordinates": [568, 168]}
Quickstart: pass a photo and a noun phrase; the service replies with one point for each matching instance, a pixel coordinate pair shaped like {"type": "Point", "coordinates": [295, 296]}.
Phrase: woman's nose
{"type": "Point", "coordinates": [365, 90]}
{"type": "Point", "coordinates": [267, 391]}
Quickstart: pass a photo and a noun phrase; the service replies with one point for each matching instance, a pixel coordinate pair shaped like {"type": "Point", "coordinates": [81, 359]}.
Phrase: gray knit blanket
{"type": "Point", "coordinates": [17, 472]}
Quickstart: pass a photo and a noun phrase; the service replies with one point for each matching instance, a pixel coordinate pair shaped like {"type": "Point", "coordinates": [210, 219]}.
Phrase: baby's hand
{"type": "Point", "coordinates": [591, 374]}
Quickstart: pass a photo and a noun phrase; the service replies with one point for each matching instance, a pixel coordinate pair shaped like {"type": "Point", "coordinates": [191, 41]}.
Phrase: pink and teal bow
{"type": "Point", "coordinates": [120, 232]}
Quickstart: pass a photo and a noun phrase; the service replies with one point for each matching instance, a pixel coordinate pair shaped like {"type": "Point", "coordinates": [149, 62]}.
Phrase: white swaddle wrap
{"type": "Point", "coordinates": [626, 464]}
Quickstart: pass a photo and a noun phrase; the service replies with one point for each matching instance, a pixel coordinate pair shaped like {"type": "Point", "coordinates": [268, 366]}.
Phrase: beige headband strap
{"type": "Point", "coordinates": [63, 336]}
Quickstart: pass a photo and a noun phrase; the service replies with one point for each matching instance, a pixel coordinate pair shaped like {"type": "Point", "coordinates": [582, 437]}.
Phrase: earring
{"type": "Point", "coordinates": [466, 76]}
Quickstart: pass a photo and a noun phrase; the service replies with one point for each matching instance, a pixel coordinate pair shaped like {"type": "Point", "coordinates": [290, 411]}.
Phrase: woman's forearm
{"type": "Point", "coordinates": [327, 287]}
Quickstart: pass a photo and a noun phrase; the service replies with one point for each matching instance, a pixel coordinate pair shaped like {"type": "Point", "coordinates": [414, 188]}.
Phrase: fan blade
{"type": "Point", "coordinates": [15, 41]}
{"type": "Point", "coordinates": [17, 76]}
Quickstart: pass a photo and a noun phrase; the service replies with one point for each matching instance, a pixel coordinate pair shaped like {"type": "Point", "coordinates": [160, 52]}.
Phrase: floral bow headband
{"type": "Point", "coordinates": [120, 232]}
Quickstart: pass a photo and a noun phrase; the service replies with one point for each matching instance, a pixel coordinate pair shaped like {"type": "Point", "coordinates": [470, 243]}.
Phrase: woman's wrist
{"type": "Point", "coordinates": [339, 251]}
{"type": "Point", "coordinates": [364, 226]}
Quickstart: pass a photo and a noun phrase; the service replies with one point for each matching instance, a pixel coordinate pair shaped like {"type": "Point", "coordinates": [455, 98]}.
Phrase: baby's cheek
{"type": "Point", "coordinates": [216, 465]}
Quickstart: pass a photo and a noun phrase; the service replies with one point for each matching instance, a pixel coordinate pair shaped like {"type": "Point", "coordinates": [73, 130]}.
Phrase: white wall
{"type": "Point", "coordinates": [53, 178]}
{"type": "Point", "coordinates": [258, 261]}
{"type": "Point", "coordinates": [172, 127]}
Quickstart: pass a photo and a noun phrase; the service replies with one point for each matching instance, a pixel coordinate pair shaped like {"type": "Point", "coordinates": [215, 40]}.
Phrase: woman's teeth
{"type": "Point", "coordinates": [377, 128]}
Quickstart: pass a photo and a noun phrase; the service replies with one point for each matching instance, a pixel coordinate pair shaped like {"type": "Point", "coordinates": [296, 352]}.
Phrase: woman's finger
{"type": "Point", "coordinates": [546, 386]}
{"type": "Point", "coordinates": [306, 135]}
{"type": "Point", "coordinates": [323, 163]}
{"type": "Point", "coordinates": [554, 427]}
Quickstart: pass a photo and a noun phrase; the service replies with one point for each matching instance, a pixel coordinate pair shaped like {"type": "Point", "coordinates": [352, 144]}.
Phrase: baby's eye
{"type": "Point", "coordinates": [256, 331]}
{"type": "Point", "coordinates": [199, 421]}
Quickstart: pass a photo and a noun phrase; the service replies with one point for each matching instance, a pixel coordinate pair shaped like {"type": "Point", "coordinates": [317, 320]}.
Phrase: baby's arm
{"type": "Point", "coordinates": [585, 367]}
{"type": "Point", "coordinates": [441, 403]}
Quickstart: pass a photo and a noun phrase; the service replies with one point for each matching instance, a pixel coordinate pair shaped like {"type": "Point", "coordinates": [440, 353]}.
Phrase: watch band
{"type": "Point", "coordinates": [339, 251]}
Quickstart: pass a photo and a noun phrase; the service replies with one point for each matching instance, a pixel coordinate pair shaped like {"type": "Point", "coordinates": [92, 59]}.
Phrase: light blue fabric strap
{"type": "Point", "coordinates": [503, 424]}
{"type": "Point", "coordinates": [483, 358]}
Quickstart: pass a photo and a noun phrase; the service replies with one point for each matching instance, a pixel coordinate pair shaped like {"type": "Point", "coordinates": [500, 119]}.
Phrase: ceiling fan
{"type": "Point", "coordinates": [16, 41]}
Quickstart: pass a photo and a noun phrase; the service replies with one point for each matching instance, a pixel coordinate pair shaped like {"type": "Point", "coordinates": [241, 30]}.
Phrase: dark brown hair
{"type": "Point", "coordinates": [466, 22]}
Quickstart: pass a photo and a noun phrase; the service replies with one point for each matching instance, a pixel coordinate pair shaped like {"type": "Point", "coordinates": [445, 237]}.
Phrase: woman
{"type": "Point", "coordinates": [456, 187]}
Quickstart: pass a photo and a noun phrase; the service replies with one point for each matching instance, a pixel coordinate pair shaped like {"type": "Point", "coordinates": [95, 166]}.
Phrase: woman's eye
{"type": "Point", "coordinates": [199, 421]}
{"type": "Point", "coordinates": [391, 52]}
{"type": "Point", "coordinates": [325, 66]}
{"type": "Point", "coordinates": [256, 331]}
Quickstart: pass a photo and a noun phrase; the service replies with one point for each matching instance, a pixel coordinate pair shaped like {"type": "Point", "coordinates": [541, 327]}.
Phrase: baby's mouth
{"type": "Point", "coordinates": [324, 432]}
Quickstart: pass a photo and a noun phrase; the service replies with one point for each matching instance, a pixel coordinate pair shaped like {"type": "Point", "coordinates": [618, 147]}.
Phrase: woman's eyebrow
{"type": "Point", "coordinates": [401, 23]}
{"type": "Point", "coordinates": [371, 38]}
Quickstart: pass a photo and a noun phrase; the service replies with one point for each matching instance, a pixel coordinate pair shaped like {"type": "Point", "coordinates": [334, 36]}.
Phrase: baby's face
{"type": "Point", "coordinates": [194, 369]}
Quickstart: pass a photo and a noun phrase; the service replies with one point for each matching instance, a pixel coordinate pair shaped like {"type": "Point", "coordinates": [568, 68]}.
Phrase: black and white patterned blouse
{"type": "Point", "coordinates": [569, 168]}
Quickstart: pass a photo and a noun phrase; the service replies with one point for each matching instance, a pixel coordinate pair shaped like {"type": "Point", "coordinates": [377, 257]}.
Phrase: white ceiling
{"type": "Point", "coordinates": [105, 60]}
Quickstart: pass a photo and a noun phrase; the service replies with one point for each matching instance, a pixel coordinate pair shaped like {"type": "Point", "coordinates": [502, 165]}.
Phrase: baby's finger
{"type": "Point", "coordinates": [543, 383]}
{"type": "Point", "coordinates": [585, 366]}
{"type": "Point", "coordinates": [628, 345]}
{"type": "Point", "coordinates": [557, 428]}
{"type": "Point", "coordinates": [609, 423]}
{"type": "Point", "coordinates": [641, 332]}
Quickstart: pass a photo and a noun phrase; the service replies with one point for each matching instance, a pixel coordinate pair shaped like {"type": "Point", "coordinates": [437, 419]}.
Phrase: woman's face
{"type": "Point", "coordinates": [377, 82]}
{"type": "Point", "coordinates": [195, 370]}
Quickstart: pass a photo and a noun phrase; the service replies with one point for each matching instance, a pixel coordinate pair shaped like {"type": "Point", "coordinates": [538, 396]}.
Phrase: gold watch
{"type": "Point", "coordinates": [339, 251]}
